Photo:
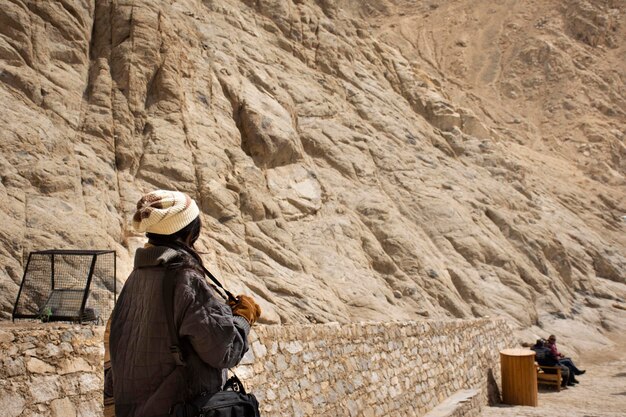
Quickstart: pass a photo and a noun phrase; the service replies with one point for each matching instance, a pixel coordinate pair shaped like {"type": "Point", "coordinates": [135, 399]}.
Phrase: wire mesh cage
{"type": "Point", "coordinates": [68, 285]}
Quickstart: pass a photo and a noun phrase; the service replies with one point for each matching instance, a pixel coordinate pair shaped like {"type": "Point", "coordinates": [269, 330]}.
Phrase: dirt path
{"type": "Point", "coordinates": [601, 393]}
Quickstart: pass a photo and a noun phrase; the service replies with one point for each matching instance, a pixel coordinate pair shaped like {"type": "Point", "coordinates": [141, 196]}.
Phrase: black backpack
{"type": "Point", "coordinates": [232, 400]}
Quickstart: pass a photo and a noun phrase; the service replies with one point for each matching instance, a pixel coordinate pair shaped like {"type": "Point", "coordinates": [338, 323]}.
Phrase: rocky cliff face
{"type": "Point", "coordinates": [354, 160]}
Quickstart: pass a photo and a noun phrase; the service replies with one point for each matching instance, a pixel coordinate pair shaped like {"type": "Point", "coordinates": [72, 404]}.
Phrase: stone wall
{"type": "Point", "coordinates": [367, 369]}
{"type": "Point", "coordinates": [50, 370]}
{"type": "Point", "coordinates": [377, 369]}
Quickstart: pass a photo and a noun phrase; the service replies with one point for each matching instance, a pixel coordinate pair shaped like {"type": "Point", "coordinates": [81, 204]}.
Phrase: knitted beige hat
{"type": "Point", "coordinates": [164, 212]}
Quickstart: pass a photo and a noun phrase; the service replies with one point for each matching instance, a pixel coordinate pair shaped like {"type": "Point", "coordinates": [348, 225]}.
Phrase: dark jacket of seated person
{"type": "Point", "coordinates": [543, 354]}
{"type": "Point", "coordinates": [545, 358]}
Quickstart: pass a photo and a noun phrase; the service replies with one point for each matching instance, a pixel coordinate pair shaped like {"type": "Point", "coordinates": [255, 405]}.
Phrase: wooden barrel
{"type": "Point", "coordinates": [519, 377]}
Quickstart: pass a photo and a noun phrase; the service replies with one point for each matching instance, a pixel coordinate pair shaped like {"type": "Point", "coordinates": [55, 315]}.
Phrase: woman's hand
{"type": "Point", "coordinates": [246, 307]}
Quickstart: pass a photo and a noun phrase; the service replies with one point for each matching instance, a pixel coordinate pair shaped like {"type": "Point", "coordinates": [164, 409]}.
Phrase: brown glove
{"type": "Point", "coordinates": [246, 307]}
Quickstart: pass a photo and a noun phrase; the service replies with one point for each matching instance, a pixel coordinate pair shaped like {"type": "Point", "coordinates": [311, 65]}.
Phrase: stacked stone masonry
{"type": "Point", "coordinates": [50, 370]}
{"type": "Point", "coordinates": [378, 369]}
{"type": "Point", "coordinates": [365, 369]}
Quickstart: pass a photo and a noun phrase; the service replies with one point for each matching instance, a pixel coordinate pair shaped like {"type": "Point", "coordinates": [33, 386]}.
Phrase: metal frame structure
{"type": "Point", "coordinates": [57, 296]}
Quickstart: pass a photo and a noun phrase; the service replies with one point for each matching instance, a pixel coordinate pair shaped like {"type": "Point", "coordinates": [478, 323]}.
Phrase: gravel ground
{"type": "Point", "coordinates": [601, 393]}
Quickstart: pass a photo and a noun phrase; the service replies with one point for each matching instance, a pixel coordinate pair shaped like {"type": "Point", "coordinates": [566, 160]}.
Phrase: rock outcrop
{"type": "Point", "coordinates": [354, 160]}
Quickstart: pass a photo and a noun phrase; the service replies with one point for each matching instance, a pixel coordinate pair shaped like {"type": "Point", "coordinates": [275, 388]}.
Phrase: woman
{"type": "Point", "coordinates": [144, 378]}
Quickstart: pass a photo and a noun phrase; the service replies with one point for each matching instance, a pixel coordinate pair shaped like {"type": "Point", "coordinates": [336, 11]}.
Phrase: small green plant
{"type": "Point", "coordinates": [45, 314]}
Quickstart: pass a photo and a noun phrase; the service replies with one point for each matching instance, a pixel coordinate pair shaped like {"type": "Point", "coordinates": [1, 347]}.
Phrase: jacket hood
{"type": "Point", "coordinates": [155, 255]}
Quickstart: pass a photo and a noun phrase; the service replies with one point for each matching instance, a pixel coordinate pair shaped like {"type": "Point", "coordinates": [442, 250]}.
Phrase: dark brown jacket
{"type": "Point", "coordinates": [145, 380]}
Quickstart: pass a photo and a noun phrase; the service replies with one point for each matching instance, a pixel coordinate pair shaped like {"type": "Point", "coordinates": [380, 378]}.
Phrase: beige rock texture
{"type": "Point", "coordinates": [353, 160]}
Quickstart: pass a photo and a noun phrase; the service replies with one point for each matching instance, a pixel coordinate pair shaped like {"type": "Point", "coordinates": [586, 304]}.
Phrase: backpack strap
{"type": "Point", "coordinates": [229, 295]}
{"type": "Point", "coordinates": [168, 302]}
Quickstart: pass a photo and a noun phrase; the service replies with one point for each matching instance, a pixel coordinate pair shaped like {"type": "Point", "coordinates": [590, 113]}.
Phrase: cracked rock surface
{"type": "Point", "coordinates": [353, 160]}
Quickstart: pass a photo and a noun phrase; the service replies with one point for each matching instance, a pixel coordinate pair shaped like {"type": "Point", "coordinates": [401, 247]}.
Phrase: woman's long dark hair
{"type": "Point", "coordinates": [184, 239]}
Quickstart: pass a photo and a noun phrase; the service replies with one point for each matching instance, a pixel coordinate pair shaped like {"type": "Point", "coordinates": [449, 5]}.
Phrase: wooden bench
{"type": "Point", "coordinates": [549, 375]}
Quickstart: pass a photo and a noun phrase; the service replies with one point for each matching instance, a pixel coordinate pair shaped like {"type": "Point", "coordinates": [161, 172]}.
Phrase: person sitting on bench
{"type": "Point", "coordinates": [562, 359]}
{"type": "Point", "coordinates": [544, 357]}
